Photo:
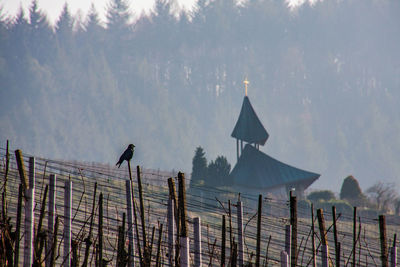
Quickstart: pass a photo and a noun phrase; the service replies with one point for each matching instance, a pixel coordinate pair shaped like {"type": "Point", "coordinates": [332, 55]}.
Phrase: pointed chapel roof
{"type": "Point", "coordinates": [248, 127]}
{"type": "Point", "coordinates": [258, 170]}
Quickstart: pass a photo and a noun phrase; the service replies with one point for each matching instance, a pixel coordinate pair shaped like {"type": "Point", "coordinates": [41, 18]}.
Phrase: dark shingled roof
{"type": "Point", "coordinates": [258, 170]}
{"type": "Point", "coordinates": [248, 127]}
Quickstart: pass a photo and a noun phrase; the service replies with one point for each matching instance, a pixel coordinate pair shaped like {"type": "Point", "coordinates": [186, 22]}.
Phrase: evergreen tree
{"type": "Point", "coordinates": [64, 28]}
{"type": "Point", "coordinates": [118, 46]}
{"type": "Point", "coordinates": [351, 192]}
{"type": "Point", "coordinates": [218, 172]}
{"type": "Point", "coordinates": [40, 33]}
{"type": "Point", "coordinates": [199, 167]}
{"type": "Point", "coordinates": [118, 17]}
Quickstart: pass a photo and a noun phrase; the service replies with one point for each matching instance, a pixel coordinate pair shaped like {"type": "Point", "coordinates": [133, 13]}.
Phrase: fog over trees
{"type": "Point", "coordinates": [324, 81]}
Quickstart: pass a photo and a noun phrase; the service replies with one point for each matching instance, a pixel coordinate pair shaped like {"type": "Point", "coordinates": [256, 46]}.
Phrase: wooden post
{"type": "Point", "coordinates": [122, 256]}
{"type": "Point", "coordinates": [182, 204]}
{"type": "Point", "coordinates": [223, 241]}
{"type": "Point", "coordinates": [32, 178]}
{"type": "Point", "coordinates": [240, 233]}
{"type": "Point", "coordinates": [18, 226]}
{"type": "Point", "coordinates": [88, 239]}
{"type": "Point", "coordinates": [324, 256]}
{"type": "Point", "coordinates": [172, 195]}
{"type": "Point", "coordinates": [258, 245]}
{"type": "Point", "coordinates": [324, 238]}
{"type": "Point", "coordinates": [171, 232]}
{"type": "Point", "coordinates": [230, 226]}
{"type": "Point", "coordinates": [51, 216]}
{"type": "Point", "coordinates": [141, 204]}
{"type": "Point", "coordinates": [393, 256]}
{"type": "Point", "coordinates": [158, 257]}
{"type": "Point", "coordinates": [382, 231]}
{"type": "Point", "coordinates": [21, 170]}
{"type": "Point", "coordinates": [354, 236]}
{"type": "Point", "coordinates": [335, 236]}
{"type": "Point", "coordinates": [6, 173]}
{"type": "Point", "coordinates": [288, 239]}
{"type": "Point", "coordinates": [184, 240]}
{"type": "Point", "coordinates": [322, 229]}
{"type": "Point", "coordinates": [29, 212]}
{"type": "Point", "coordinates": [67, 222]}
{"type": "Point", "coordinates": [40, 234]}
{"type": "Point", "coordinates": [284, 259]}
{"type": "Point", "coordinates": [184, 251]}
{"type": "Point", "coordinates": [314, 260]}
{"type": "Point", "coordinates": [197, 242]}
{"type": "Point", "coordinates": [100, 233]}
{"type": "Point", "coordinates": [129, 206]}
{"type": "Point", "coordinates": [293, 222]}
{"type": "Point", "coordinates": [54, 244]}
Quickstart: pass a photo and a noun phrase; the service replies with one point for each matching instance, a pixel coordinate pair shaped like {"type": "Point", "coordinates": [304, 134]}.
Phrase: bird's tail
{"type": "Point", "coordinates": [118, 165]}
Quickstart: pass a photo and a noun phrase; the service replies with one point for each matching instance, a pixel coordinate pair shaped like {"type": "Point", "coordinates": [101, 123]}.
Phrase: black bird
{"type": "Point", "coordinates": [127, 155]}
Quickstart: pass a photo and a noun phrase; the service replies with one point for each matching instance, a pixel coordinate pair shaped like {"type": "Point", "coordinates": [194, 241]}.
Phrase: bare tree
{"type": "Point", "coordinates": [383, 195]}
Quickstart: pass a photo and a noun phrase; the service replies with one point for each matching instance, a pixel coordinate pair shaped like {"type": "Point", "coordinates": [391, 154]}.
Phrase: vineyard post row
{"type": "Point", "coordinates": [178, 249]}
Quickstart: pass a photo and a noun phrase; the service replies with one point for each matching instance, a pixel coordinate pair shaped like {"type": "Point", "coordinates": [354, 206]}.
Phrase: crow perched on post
{"type": "Point", "coordinates": [127, 155]}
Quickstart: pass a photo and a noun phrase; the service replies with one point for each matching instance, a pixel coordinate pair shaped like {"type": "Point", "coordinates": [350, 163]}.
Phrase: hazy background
{"type": "Point", "coordinates": [324, 81]}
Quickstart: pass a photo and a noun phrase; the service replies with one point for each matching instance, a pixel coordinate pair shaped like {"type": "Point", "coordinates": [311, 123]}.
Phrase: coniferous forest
{"type": "Point", "coordinates": [324, 81]}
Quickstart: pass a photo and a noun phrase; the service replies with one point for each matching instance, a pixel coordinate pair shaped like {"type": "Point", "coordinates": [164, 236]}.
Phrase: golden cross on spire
{"type": "Point", "coordinates": [246, 82]}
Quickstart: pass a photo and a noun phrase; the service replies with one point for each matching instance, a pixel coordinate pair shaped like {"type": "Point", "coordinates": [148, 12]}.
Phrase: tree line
{"type": "Point", "coordinates": [323, 85]}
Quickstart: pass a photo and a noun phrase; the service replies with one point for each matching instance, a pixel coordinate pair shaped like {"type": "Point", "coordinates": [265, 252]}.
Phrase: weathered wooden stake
{"type": "Point", "coordinates": [335, 236]}
{"type": "Point", "coordinates": [40, 235]}
{"type": "Point", "coordinates": [122, 258]}
{"type": "Point", "coordinates": [324, 256]}
{"type": "Point", "coordinates": [182, 204]}
{"type": "Point", "coordinates": [393, 256]}
{"type": "Point", "coordinates": [314, 260]}
{"type": "Point", "coordinates": [288, 239]}
{"type": "Point", "coordinates": [18, 226]}
{"type": "Point", "coordinates": [29, 213]}
{"type": "Point", "coordinates": [184, 251]}
{"type": "Point", "coordinates": [240, 233]}
{"type": "Point", "coordinates": [223, 241]}
{"type": "Point", "coordinates": [324, 238]}
{"type": "Point", "coordinates": [322, 229]}
{"type": "Point", "coordinates": [6, 172]}
{"type": "Point", "coordinates": [172, 194]}
{"type": "Point", "coordinates": [67, 222]}
{"type": "Point", "coordinates": [51, 216]}
{"type": "Point", "coordinates": [284, 259]}
{"type": "Point", "coordinates": [53, 248]}
{"type": "Point", "coordinates": [135, 218]}
{"type": "Point", "coordinates": [184, 240]}
{"type": "Point", "coordinates": [21, 170]}
{"type": "Point", "coordinates": [258, 245]}
{"type": "Point", "coordinates": [171, 232]}
{"type": "Point", "coordinates": [354, 236]}
{"type": "Point", "coordinates": [129, 206]}
{"type": "Point", "coordinates": [382, 231]}
{"type": "Point", "coordinates": [293, 222]}
{"type": "Point", "coordinates": [158, 258]}
{"type": "Point", "coordinates": [100, 233]}
{"type": "Point", "coordinates": [230, 226]}
{"type": "Point", "coordinates": [197, 242]}
{"type": "Point", "coordinates": [88, 239]}
{"type": "Point", "coordinates": [142, 217]}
